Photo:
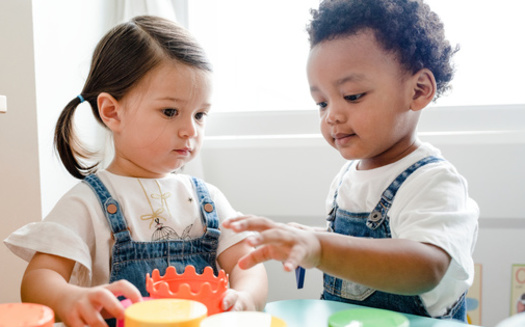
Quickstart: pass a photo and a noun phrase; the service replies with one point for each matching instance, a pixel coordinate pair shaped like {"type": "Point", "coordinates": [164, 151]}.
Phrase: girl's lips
{"type": "Point", "coordinates": [184, 152]}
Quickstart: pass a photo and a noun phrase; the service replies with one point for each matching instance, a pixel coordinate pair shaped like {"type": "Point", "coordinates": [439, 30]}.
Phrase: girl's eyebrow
{"type": "Point", "coordinates": [169, 98]}
{"type": "Point", "coordinates": [205, 105]}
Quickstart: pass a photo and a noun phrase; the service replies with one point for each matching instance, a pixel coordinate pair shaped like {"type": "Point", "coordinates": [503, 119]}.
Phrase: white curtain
{"type": "Point", "coordinates": [174, 10]}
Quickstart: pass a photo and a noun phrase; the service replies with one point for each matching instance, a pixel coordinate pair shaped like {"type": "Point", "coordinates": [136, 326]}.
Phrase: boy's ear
{"type": "Point", "coordinates": [108, 109]}
{"type": "Point", "coordinates": [425, 88]}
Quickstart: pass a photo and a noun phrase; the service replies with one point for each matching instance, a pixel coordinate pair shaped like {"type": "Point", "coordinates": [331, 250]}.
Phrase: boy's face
{"type": "Point", "coordinates": [364, 97]}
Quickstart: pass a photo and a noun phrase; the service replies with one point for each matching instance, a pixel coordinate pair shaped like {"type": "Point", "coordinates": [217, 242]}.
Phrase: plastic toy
{"type": "Point", "coordinates": [243, 319]}
{"type": "Point", "coordinates": [26, 315]}
{"type": "Point", "coordinates": [165, 313]}
{"type": "Point", "coordinates": [205, 288]}
{"type": "Point", "coordinates": [367, 317]}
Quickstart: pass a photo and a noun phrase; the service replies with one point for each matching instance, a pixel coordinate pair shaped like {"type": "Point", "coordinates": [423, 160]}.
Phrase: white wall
{"type": "Point", "coordinates": [66, 33]}
{"type": "Point", "coordinates": [45, 50]}
{"type": "Point", "coordinates": [19, 164]}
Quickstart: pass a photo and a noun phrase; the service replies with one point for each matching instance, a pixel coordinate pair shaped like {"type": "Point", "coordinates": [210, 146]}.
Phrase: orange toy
{"type": "Point", "coordinates": [205, 288]}
{"type": "Point", "coordinates": [26, 315]}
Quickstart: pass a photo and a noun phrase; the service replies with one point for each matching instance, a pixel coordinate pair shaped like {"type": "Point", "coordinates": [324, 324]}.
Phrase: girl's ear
{"type": "Point", "coordinates": [425, 88]}
{"type": "Point", "coordinates": [109, 110]}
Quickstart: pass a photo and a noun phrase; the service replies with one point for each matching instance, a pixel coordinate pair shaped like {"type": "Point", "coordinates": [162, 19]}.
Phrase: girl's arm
{"type": "Point", "coordinates": [46, 279]}
{"type": "Point", "coordinates": [391, 265]}
{"type": "Point", "coordinates": [250, 286]}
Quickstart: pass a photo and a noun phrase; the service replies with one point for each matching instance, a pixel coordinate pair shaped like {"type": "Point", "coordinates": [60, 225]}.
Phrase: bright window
{"type": "Point", "coordinates": [259, 51]}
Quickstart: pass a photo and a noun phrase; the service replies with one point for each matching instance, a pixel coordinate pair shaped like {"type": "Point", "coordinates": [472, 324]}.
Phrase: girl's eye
{"type": "Point", "coordinates": [200, 115]}
{"type": "Point", "coordinates": [170, 112]}
{"type": "Point", "coordinates": [354, 97]}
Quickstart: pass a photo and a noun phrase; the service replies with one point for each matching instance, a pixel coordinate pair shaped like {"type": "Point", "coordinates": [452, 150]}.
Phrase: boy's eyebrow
{"type": "Point", "coordinates": [350, 78]}
{"type": "Point", "coordinates": [346, 79]}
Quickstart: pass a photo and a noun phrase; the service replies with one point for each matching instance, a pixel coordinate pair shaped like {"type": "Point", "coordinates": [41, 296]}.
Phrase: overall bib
{"type": "Point", "coordinates": [132, 260]}
{"type": "Point", "coordinates": [377, 225]}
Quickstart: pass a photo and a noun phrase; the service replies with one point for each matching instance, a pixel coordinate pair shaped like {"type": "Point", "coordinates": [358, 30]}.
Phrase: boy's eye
{"type": "Point", "coordinates": [169, 112]}
{"type": "Point", "coordinates": [321, 105]}
{"type": "Point", "coordinates": [354, 97]}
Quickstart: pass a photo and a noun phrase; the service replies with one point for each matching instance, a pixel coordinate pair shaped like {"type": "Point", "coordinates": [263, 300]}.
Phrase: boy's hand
{"type": "Point", "coordinates": [291, 245]}
{"type": "Point", "coordinates": [90, 306]}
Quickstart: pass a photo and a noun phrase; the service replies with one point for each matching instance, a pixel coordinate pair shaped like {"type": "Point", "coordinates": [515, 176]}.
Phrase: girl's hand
{"type": "Point", "coordinates": [291, 245]}
{"type": "Point", "coordinates": [90, 306]}
{"type": "Point", "coordinates": [238, 301]}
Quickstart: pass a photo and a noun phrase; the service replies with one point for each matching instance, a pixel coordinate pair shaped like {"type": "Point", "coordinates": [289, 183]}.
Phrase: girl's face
{"type": "Point", "coordinates": [162, 121]}
{"type": "Point", "coordinates": [364, 98]}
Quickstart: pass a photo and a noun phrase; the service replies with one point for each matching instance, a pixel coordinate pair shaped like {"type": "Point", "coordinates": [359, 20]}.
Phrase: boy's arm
{"type": "Point", "coordinates": [251, 285]}
{"type": "Point", "coordinates": [46, 279]}
{"type": "Point", "coordinates": [392, 265]}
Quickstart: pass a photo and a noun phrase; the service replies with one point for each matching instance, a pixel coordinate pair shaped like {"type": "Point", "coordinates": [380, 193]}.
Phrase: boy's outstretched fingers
{"type": "Point", "coordinates": [249, 223]}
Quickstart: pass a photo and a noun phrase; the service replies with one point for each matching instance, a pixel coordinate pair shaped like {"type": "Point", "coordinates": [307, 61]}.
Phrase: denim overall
{"type": "Point", "coordinates": [377, 225]}
{"type": "Point", "coordinates": [132, 260]}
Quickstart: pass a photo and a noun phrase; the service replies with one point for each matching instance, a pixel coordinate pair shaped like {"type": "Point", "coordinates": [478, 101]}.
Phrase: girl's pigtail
{"type": "Point", "coordinates": [67, 144]}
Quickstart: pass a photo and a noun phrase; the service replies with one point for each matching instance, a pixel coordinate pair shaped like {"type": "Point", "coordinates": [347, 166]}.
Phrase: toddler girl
{"type": "Point", "coordinates": [149, 84]}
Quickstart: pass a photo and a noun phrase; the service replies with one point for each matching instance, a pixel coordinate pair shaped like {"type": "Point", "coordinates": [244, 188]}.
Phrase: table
{"type": "Point", "coordinates": [315, 313]}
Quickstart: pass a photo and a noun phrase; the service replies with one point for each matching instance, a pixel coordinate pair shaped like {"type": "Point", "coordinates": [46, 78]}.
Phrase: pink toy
{"type": "Point", "coordinates": [205, 288]}
{"type": "Point", "coordinates": [127, 303]}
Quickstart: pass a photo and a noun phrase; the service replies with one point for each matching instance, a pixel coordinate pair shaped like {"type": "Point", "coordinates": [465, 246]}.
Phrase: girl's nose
{"type": "Point", "coordinates": [189, 129]}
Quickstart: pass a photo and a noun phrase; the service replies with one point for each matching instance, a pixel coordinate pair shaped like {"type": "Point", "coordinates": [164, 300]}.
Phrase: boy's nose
{"type": "Point", "coordinates": [334, 114]}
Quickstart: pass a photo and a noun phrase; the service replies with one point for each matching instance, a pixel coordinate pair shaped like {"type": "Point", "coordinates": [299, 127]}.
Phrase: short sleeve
{"type": "Point", "coordinates": [68, 232]}
{"type": "Point", "coordinates": [436, 209]}
{"type": "Point", "coordinates": [225, 211]}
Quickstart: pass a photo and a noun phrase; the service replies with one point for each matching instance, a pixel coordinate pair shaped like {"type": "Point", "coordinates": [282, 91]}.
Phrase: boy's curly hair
{"type": "Point", "coordinates": [406, 27]}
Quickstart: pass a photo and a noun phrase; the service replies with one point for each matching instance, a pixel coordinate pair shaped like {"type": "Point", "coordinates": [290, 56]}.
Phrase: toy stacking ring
{"type": "Point", "coordinates": [205, 288]}
{"type": "Point", "coordinates": [26, 315]}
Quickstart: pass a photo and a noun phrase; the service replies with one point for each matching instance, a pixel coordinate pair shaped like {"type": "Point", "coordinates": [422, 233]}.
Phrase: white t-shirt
{"type": "Point", "coordinates": [432, 206]}
{"type": "Point", "coordinates": [77, 229]}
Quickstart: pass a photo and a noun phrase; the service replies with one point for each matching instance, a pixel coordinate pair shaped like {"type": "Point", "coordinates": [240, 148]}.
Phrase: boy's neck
{"type": "Point", "coordinates": [367, 164]}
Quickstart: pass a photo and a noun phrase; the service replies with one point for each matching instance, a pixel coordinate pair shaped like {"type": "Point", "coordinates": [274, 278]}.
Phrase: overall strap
{"type": "Point", "coordinates": [341, 182]}
{"type": "Point", "coordinates": [209, 212]}
{"type": "Point", "coordinates": [111, 209]}
{"type": "Point", "coordinates": [331, 215]}
{"type": "Point", "coordinates": [379, 214]}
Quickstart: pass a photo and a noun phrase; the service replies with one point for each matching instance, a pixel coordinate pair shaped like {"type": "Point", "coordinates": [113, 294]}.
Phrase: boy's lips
{"type": "Point", "coordinates": [342, 138]}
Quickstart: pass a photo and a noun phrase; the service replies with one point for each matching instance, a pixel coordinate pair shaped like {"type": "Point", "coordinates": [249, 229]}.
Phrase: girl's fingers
{"type": "Point", "coordinates": [93, 318]}
{"type": "Point", "coordinates": [229, 299]}
{"type": "Point", "coordinates": [103, 299]}
{"type": "Point", "coordinates": [125, 288]}
{"type": "Point", "coordinates": [119, 288]}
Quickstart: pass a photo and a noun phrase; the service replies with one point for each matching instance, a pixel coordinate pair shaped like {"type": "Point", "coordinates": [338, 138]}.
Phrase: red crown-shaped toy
{"type": "Point", "coordinates": [205, 288]}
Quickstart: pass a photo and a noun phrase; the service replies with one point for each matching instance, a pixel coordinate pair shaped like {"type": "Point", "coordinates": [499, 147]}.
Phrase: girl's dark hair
{"type": "Point", "coordinates": [122, 58]}
{"type": "Point", "coordinates": [407, 28]}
